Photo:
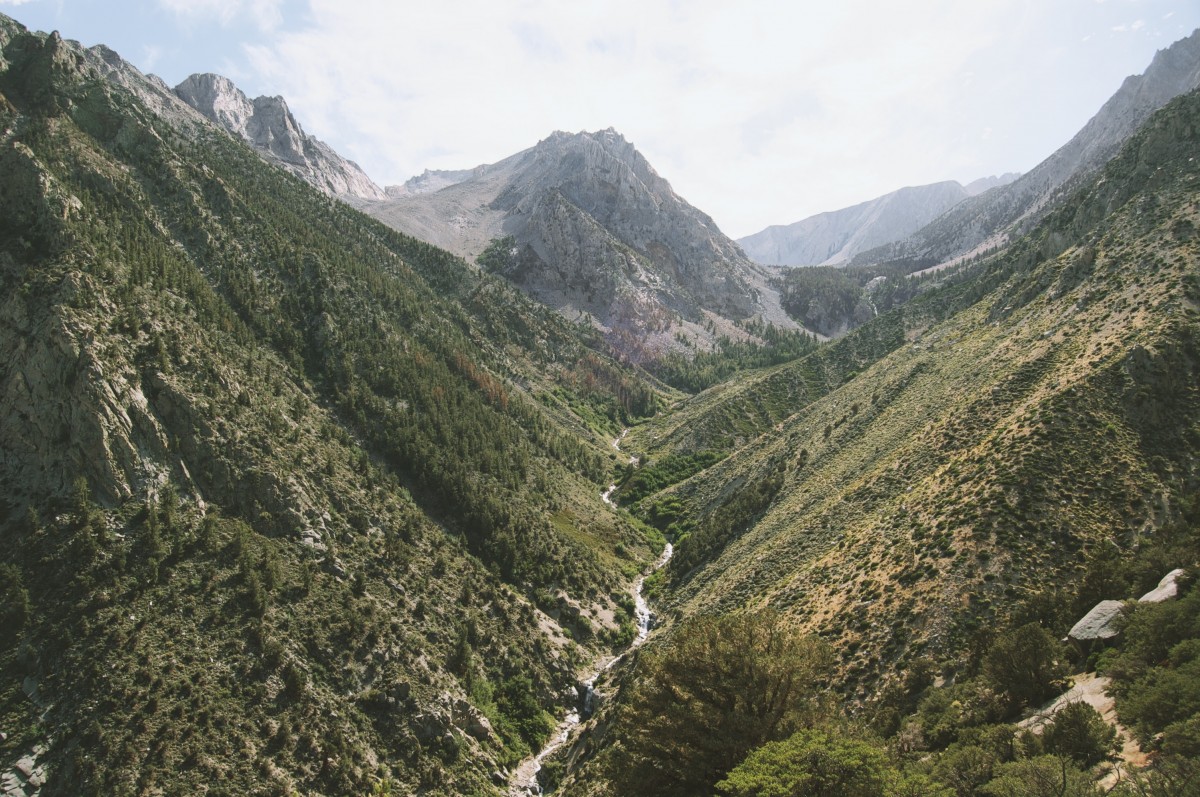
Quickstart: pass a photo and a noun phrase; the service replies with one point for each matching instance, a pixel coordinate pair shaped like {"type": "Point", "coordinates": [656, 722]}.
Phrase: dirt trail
{"type": "Point", "coordinates": [1090, 688]}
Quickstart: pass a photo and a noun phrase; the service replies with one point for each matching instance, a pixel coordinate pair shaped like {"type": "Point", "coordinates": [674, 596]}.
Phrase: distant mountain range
{"type": "Point", "coordinates": [993, 218]}
{"type": "Point", "coordinates": [835, 237]}
{"type": "Point", "coordinates": [598, 235]}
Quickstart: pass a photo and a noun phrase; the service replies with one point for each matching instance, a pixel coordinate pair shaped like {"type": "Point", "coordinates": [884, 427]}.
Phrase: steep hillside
{"type": "Point", "coordinates": [276, 479]}
{"type": "Point", "coordinates": [945, 471]}
{"type": "Point", "coordinates": [837, 236]}
{"type": "Point", "coordinates": [990, 219]}
{"type": "Point", "coordinates": [584, 224]}
{"type": "Point", "coordinates": [993, 430]}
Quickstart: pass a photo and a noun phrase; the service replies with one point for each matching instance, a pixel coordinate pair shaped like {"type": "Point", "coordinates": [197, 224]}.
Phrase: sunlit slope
{"type": "Point", "coordinates": [971, 465]}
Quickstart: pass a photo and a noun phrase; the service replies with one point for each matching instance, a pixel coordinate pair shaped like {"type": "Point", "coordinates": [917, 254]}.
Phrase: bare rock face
{"type": "Point", "coordinates": [267, 125]}
{"type": "Point", "coordinates": [597, 234]}
{"type": "Point", "coordinates": [1102, 622]}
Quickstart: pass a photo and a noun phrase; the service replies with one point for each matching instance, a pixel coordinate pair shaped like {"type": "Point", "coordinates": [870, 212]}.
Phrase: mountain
{"type": "Point", "coordinates": [294, 503]}
{"type": "Point", "coordinates": [289, 502]}
{"type": "Point", "coordinates": [267, 125]}
{"type": "Point", "coordinates": [958, 403]}
{"type": "Point", "coordinates": [990, 219]}
{"type": "Point", "coordinates": [977, 187]}
{"type": "Point", "coordinates": [430, 180]}
{"type": "Point", "coordinates": [589, 228]}
{"type": "Point", "coordinates": [969, 469]}
{"type": "Point", "coordinates": [834, 237]}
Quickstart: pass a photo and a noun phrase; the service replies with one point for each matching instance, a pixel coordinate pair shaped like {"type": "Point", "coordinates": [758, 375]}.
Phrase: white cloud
{"type": "Point", "coordinates": [717, 98]}
{"type": "Point", "coordinates": [757, 113]}
{"type": "Point", "coordinates": [265, 15]}
{"type": "Point", "coordinates": [151, 54]}
{"type": "Point", "coordinates": [14, 2]}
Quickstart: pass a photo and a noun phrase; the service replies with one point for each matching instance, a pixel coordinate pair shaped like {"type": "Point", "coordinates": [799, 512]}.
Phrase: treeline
{"type": "Point", "coordinates": [696, 371]}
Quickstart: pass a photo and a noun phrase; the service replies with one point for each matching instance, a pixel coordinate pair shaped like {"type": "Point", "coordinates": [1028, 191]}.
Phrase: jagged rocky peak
{"type": "Point", "coordinates": [604, 175]}
{"type": "Point", "coordinates": [603, 167]}
{"type": "Point", "coordinates": [218, 99]}
{"type": "Point", "coordinates": [598, 235]}
{"type": "Point", "coordinates": [977, 187]}
{"type": "Point", "coordinates": [268, 125]}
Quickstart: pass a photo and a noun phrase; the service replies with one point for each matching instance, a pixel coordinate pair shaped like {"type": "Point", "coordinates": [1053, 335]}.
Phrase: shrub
{"type": "Point", "coordinates": [1080, 733]}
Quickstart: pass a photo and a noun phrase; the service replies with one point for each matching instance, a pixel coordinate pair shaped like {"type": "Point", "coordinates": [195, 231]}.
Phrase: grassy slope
{"type": "Point", "coordinates": [968, 467]}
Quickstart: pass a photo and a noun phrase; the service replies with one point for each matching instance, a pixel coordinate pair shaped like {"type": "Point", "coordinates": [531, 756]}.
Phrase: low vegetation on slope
{"type": "Point", "coordinates": [277, 480]}
{"type": "Point", "coordinates": [923, 493]}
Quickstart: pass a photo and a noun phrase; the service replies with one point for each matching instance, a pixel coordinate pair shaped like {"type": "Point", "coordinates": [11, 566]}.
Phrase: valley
{"type": "Point", "coordinates": [524, 478]}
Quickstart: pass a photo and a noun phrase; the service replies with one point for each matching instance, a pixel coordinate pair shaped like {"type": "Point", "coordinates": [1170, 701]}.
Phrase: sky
{"type": "Point", "coordinates": [758, 113]}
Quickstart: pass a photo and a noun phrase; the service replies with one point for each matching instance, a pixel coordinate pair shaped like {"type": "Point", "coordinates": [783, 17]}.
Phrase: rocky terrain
{"type": "Point", "coordinates": [596, 234]}
{"type": "Point", "coordinates": [835, 237]}
{"type": "Point", "coordinates": [267, 125]}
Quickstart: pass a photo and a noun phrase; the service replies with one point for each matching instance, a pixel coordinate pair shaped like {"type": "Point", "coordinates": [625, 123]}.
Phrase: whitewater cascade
{"type": "Point", "coordinates": [524, 781]}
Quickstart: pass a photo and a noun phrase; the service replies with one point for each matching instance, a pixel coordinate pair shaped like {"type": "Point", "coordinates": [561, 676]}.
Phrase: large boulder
{"type": "Point", "coordinates": [1103, 622]}
{"type": "Point", "coordinates": [1167, 588]}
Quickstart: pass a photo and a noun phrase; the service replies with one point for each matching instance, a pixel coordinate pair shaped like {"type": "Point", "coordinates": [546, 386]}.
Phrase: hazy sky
{"type": "Point", "coordinates": [756, 112]}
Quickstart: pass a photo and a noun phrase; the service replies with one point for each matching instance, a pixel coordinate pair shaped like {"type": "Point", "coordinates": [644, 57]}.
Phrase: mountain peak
{"type": "Point", "coordinates": [267, 124]}
{"type": "Point", "coordinates": [599, 235]}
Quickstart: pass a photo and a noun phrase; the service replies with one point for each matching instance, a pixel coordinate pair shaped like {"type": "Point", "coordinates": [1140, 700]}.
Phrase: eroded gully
{"type": "Point", "coordinates": [523, 781]}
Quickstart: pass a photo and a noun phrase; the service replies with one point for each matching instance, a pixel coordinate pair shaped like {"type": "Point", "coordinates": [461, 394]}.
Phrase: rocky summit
{"type": "Point", "coordinates": [584, 223]}
{"type": "Point", "coordinates": [267, 125]}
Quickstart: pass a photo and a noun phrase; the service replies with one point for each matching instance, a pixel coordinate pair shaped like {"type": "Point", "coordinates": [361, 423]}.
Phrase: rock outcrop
{"type": "Point", "coordinates": [1167, 589]}
{"type": "Point", "coordinates": [266, 124]}
{"type": "Point", "coordinates": [1101, 623]}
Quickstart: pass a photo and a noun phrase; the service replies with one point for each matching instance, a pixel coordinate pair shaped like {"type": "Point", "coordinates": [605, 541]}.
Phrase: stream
{"type": "Point", "coordinates": [523, 781]}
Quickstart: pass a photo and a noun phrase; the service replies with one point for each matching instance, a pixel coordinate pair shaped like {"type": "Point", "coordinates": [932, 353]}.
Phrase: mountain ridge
{"type": "Point", "coordinates": [834, 237]}
{"type": "Point", "coordinates": [266, 124]}
{"type": "Point", "coordinates": [987, 221]}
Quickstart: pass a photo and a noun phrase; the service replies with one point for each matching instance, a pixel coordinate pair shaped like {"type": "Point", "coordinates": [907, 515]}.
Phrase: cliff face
{"type": "Point", "coordinates": [267, 125]}
{"type": "Point", "coordinates": [596, 233]}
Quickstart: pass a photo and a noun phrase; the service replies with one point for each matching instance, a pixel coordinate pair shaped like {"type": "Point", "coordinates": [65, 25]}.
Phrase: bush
{"type": "Point", "coordinates": [1025, 665]}
{"type": "Point", "coordinates": [1044, 776]}
{"type": "Point", "coordinates": [721, 687]}
{"type": "Point", "coordinates": [811, 762]}
{"type": "Point", "coordinates": [1080, 733]}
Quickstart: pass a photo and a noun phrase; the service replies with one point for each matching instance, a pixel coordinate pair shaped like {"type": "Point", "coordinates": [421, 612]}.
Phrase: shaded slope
{"type": "Point", "coordinates": [276, 479]}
